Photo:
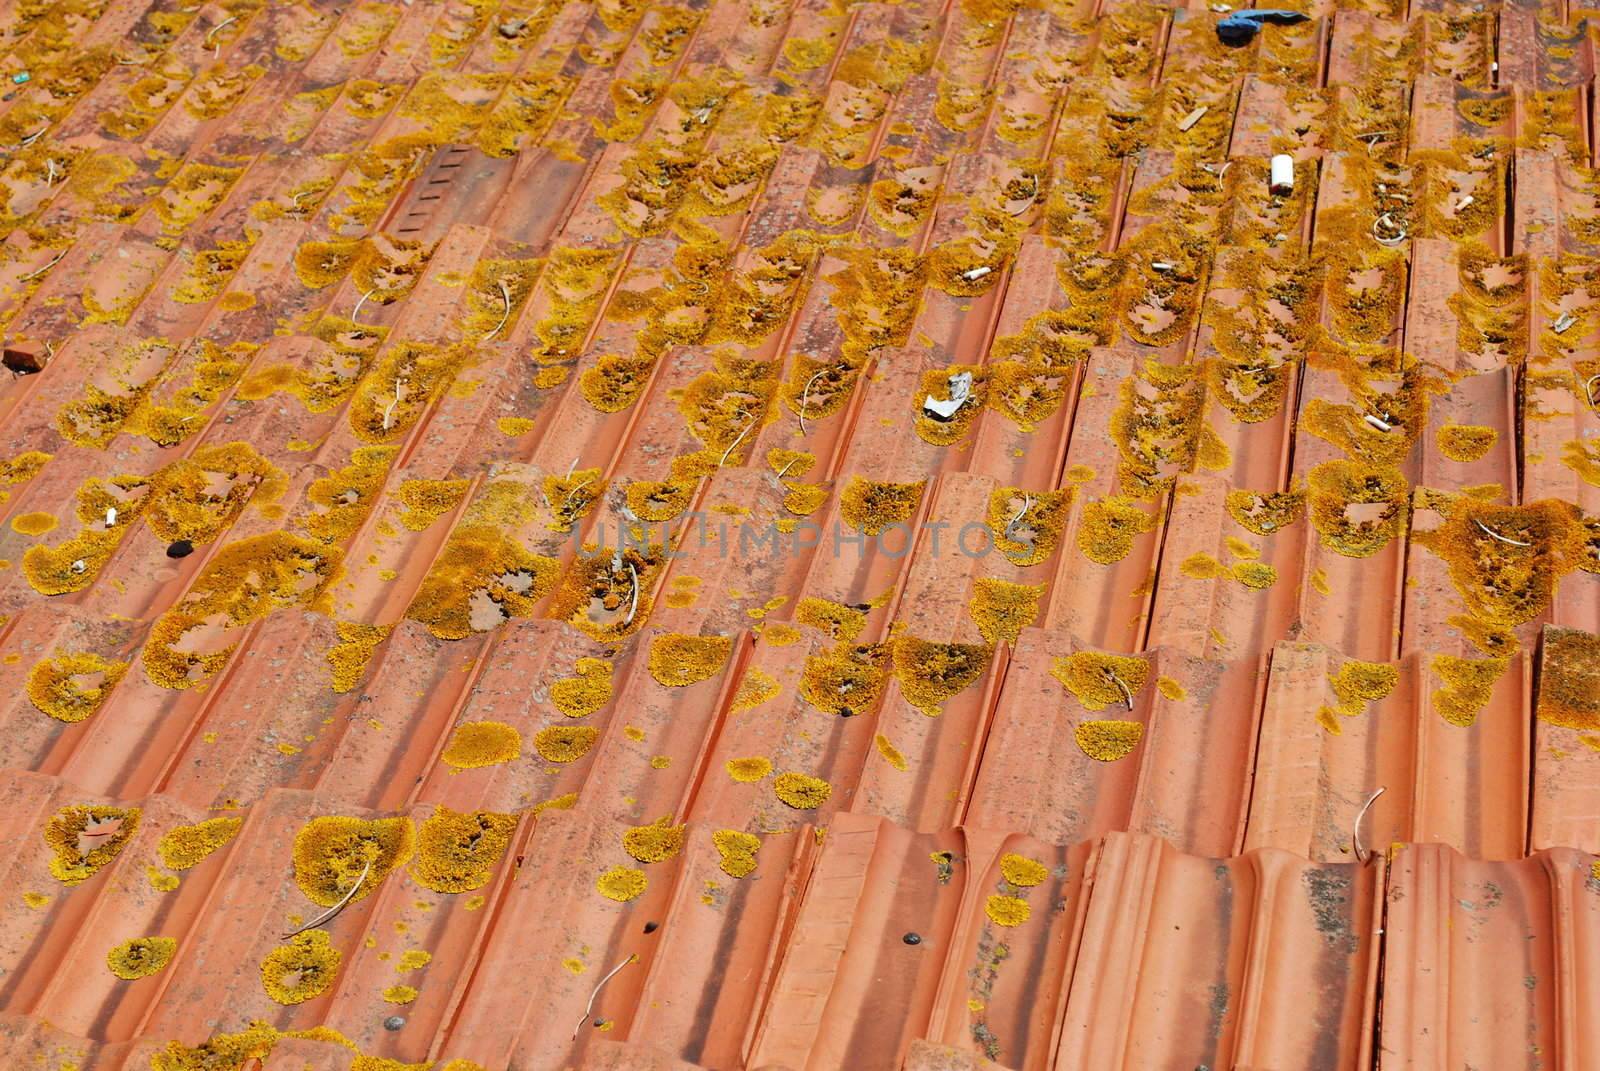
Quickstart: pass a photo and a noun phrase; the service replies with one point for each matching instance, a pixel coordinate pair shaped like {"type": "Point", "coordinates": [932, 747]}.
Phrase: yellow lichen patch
{"type": "Point", "coordinates": [1171, 689]}
{"type": "Point", "coordinates": [1002, 609]}
{"type": "Point", "coordinates": [350, 656]}
{"type": "Point", "coordinates": [71, 687]}
{"type": "Point", "coordinates": [839, 622]}
{"type": "Point", "coordinates": [802, 791]}
{"type": "Point", "coordinates": [400, 994]}
{"type": "Point", "coordinates": [1505, 561]}
{"type": "Point", "coordinates": [1021, 871]}
{"type": "Point", "coordinates": [737, 851]}
{"type": "Point", "coordinates": [1258, 576]}
{"type": "Point", "coordinates": [1265, 513]}
{"type": "Point", "coordinates": [425, 501]}
{"type": "Point", "coordinates": [608, 596]}
{"type": "Point", "coordinates": [1468, 685]}
{"type": "Point", "coordinates": [35, 901]}
{"type": "Point", "coordinates": [621, 883]}
{"type": "Point", "coordinates": [870, 506]}
{"type": "Point", "coordinates": [1026, 525]}
{"type": "Point", "coordinates": [1109, 528]}
{"type": "Point", "coordinates": [160, 880]}
{"type": "Point", "coordinates": [1101, 680]}
{"type": "Point", "coordinates": [457, 852]}
{"type": "Point", "coordinates": [141, 957]}
{"type": "Point", "coordinates": [302, 969]}
{"type": "Point", "coordinates": [482, 743]}
{"type": "Point", "coordinates": [564, 743]}
{"type": "Point", "coordinates": [1107, 741]}
{"type": "Point", "coordinates": [512, 427]}
{"type": "Point", "coordinates": [482, 578]}
{"type": "Point", "coordinates": [1357, 683]}
{"type": "Point", "coordinates": [1200, 566]}
{"type": "Point", "coordinates": [1466, 442]}
{"type": "Point", "coordinates": [678, 661]}
{"type": "Point", "coordinates": [658, 841]}
{"type": "Point", "coordinates": [84, 839]}
{"type": "Point", "coordinates": [755, 688]}
{"type": "Point", "coordinates": [1007, 910]}
{"type": "Point", "coordinates": [1569, 687]}
{"type": "Point", "coordinates": [749, 770]}
{"type": "Point", "coordinates": [615, 382]}
{"type": "Point", "coordinates": [1357, 508]}
{"type": "Point", "coordinates": [33, 524]}
{"type": "Point", "coordinates": [220, 1052]}
{"type": "Point", "coordinates": [414, 959]}
{"type": "Point", "coordinates": [582, 695]}
{"type": "Point", "coordinates": [572, 496]}
{"type": "Point", "coordinates": [844, 681]}
{"type": "Point", "coordinates": [890, 753]}
{"type": "Point", "coordinates": [183, 847]}
{"type": "Point", "coordinates": [779, 634]}
{"type": "Point", "coordinates": [930, 673]}
{"type": "Point", "coordinates": [332, 852]}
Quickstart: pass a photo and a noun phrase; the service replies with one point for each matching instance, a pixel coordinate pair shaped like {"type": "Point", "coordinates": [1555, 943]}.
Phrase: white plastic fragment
{"type": "Point", "coordinates": [1193, 117]}
{"type": "Point", "coordinates": [1281, 182]}
{"type": "Point", "coordinates": [960, 388]}
{"type": "Point", "coordinates": [1464, 202]}
{"type": "Point", "coordinates": [111, 516]}
{"type": "Point", "coordinates": [976, 273]}
{"type": "Point", "coordinates": [1565, 321]}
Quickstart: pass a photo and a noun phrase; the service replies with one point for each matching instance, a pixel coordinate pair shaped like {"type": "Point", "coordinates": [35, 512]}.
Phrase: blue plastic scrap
{"type": "Point", "coordinates": [1241, 27]}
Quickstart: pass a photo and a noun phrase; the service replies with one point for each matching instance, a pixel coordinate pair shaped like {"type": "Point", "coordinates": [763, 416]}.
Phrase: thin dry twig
{"type": "Point", "coordinates": [805, 399]}
{"type": "Point", "coordinates": [40, 271]}
{"type": "Point", "coordinates": [206, 42]}
{"type": "Point", "coordinates": [1362, 854]}
{"type": "Point", "coordinates": [724, 459]}
{"type": "Point", "coordinates": [506, 295]}
{"type": "Point", "coordinates": [787, 466]}
{"type": "Point", "coordinates": [357, 310]}
{"type": "Point", "coordinates": [589, 1007]}
{"type": "Point", "coordinates": [1496, 535]}
{"type": "Point", "coordinates": [1127, 694]}
{"type": "Point", "coordinates": [336, 908]}
{"type": "Point", "coordinates": [575, 490]}
{"type": "Point", "coordinates": [633, 602]}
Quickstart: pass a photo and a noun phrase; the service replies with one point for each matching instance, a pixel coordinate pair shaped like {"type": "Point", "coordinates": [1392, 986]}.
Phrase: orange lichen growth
{"type": "Point", "coordinates": [658, 841]}
{"type": "Point", "coordinates": [72, 686]}
{"type": "Point", "coordinates": [748, 771]}
{"type": "Point", "coordinates": [84, 839]}
{"type": "Point", "coordinates": [482, 743]}
{"type": "Point", "coordinates": [1505, 561]}
{"type": "Point", "coordinates": [33, 524]}
{"type": "Point", "coordinates": [1002, 609]}
{"type": "Point", "coordinates": [1007, 910]}
{"type": "Point", "coordinates": [330, 854]}
{"type": "Point", "coordinates": [802, 791]}
{"type": "Point", "coordinates": [871, 506]}
{"type": "Point", "coordinates": [400, 994]}
{"type": "Point", "coordinates": [844, 681]}
{"type": "Point", "coordinates": [480, 580]}
{"type": "Point", "coordinates": [621, 883]}
{"type": "Point", "coordinates": [302, 969]}
{"type": "Point", "coordinates": [1569, 688]}
{"type": "Point", "coordinates": [1107, 741]}
{"type": "Point", "coordinates": [1109, 528]}
{"type": "Point", "coordinates": [1171, 689]}
{"type": "Point", "coordinates": [737, 851]}
{"type": "Point", "coordinates": [890, 753]}
{"type": "Point", "coordinates": [1026, 525]}
{"type": "Point", "coordinates": [184, 847]}
{"type": "Point", "coordinates": [1200, 566]}
{"type": "Point", "coordinates": [1021, 871]}
{"type": "Point", "coordinates": [930, 673]}
{"type": "Point", "coordinates": [425, 501]}
{"type": "Point", "coordinates": [678, 661]}
{"type": "Point", "coordinates": [1100, 680]}
{"type": "Point", "coordinates": [1357, 508]}
{"type": "Point", "coordinates": [1466, 442]}
{"type": "Point", "coordinates": [588, 691]}
{"type": "Point", "coordinates": [141, 957]}
{"type": "Point", "coordinates": [564, 743]}
{"type": "Point", "coordinates": [840, 622]}
{"type": "Point", "coordinates": [350, 656]}
{"type": "Point", "coordinates": [756, 687]}
{"type": "Point", "coordinates": [457, 852]}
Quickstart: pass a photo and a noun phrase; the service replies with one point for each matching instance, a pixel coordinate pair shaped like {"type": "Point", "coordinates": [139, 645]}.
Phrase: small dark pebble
{"type": "Point", "coordinates": [394, 1022]}
{"type": "Point", "coordinates": [598, 1023]}
{"type": "Point", "coordinates": [651, 927]}
{"type": "Point", "coordinates": [180, 548]}
{"type": "Point", "coordinates": [912, 938]}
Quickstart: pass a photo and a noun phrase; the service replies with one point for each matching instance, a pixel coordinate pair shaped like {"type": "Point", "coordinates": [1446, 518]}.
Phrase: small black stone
{"type": "Point", "coordinates": [651, 927]}
{"type": "Point", "coordinates": [180, 548]}
{"type": "Point", "coordinates": [394, 1022]}
{"type": "Point", "coordinates": [912, 938]}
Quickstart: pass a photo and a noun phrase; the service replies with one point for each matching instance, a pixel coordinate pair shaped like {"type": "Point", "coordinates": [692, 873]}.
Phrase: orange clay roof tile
{"type": "Point", "coordinates": [797, 534]}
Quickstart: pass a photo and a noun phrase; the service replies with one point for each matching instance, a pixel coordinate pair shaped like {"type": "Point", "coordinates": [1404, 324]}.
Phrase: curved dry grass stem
{"type": "Point", "coordinates": [1588, 390]}
{"type": "Point", "coordinates": [1496, 535]}
{"type": "Point", "coordinates": [805, 399]}
{"type": "Point", "coordinates": [1362, 855]}
{"type": "Point", "coordinates": [589, 1007]}
{"type": "Point", "coordinates": [731, 446]}
{"type": "Point", "coordinates": [633, 602]}
{"type": "Point", "coordinates": [1027, 502]}
{"type": "Point", "coordinates": [1127, 694]}
{"type": "Point", "coordinates": [505, 295]}
{"type": "Point", "coordinates": [40, 271]}
{"type": "Point", "coordinates": [336, 908]}
{"type": "Point", "coordinates": [575, 490]}
{"type": "Point", "coordinates": [212, 32]}
{"type": "Point", "coordinates": [791, 464]}
{"type": "Point", "coordinates": [357, 310]}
